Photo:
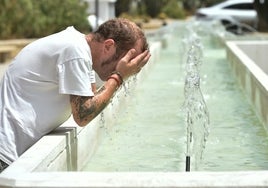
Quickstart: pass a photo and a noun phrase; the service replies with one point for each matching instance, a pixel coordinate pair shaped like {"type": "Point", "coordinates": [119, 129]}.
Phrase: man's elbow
{"type": "Point", "coordinates": [81, 123]}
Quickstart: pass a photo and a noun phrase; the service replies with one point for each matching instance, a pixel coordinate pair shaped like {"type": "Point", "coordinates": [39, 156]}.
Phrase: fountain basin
{"type": "Point", "coordinates": [248, 60]}
{"type": "Point", "coordinates": [54, 160]}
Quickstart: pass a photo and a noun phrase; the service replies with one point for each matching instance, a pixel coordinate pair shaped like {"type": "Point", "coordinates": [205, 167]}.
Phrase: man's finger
{"type": "Point", "coordinates": [142, 58]}
{"type": "Point", "coordinates": [129, 55]}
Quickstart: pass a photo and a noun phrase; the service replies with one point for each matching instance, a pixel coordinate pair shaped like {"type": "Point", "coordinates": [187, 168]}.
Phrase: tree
{"type": "Point", "coordinates": [38, 18]}
{"type": "Point", "coordinates": [154, 7]}
{"type": "Point", "coordinates": [173, 9]}
{"type": "Point", "coordinates": [122, 6]}
{"type": "Point", "coordinates": [261, 6]}
{"type": "Point", "coordinates": [15, 16]}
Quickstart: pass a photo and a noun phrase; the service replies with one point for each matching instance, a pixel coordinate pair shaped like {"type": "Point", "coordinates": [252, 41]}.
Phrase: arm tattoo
{"type": "Point", "coordinates": [88, 106]}
{"type": "Point", "coordinates": [84, 111]}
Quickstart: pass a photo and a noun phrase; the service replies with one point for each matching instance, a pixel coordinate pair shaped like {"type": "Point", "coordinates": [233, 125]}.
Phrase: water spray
{"type": "Point", "coordinates": [196, 115]}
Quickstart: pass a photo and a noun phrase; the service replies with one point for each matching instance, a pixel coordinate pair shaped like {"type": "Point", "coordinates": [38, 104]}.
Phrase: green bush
{"type": "Point", "coordinates": [38, 18]}
{"type": "Point", "coordinates": [174, 10]}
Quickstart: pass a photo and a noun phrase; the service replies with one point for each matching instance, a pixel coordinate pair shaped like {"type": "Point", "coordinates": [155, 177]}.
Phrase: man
{"type": "Point", "coordinates": [54, 77]}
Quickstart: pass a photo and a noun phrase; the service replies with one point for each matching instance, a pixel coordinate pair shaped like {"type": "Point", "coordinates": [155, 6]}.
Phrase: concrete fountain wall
{"type": "Point", "coordinates": [55, 160]}
{"type": "Point", "coordinates": [248, 60]}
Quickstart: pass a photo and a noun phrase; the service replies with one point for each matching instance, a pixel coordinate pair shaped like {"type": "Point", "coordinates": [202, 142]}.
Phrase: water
{"type": "Point", "coordinates": [150, 132]}
{"type": "Point", "coordinates": [194, 107]}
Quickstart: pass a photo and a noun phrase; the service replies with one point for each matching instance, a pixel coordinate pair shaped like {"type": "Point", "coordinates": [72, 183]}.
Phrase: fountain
{"type": "Point", "coordinates": [196, 113]}
{"type": "Point", "coordinates": [56, 160]}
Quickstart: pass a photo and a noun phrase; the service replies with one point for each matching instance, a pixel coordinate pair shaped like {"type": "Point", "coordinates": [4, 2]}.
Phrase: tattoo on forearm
{"type": "Point", "coordinates": [84, 111]}
{"type": "Point", "coordinates": [88, 107]}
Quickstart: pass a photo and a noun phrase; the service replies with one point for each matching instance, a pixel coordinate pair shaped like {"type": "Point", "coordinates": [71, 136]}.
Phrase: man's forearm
{"type": "Point", "coordinates": [85, 108]}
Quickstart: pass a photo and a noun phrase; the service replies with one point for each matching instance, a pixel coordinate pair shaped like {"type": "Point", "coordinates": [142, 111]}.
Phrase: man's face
{"type": "Point", "coordinates": [107, 66]}
{"type": "Point", "coordinates": [109, 63]}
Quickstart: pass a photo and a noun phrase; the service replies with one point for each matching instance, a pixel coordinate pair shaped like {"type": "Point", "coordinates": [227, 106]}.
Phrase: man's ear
{"type": "Point", "coordinates": [109, 44]}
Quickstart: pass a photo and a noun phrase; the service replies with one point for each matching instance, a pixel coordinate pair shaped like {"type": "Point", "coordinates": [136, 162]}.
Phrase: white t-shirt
{"type": "Point", "coordinates": [34, 92]}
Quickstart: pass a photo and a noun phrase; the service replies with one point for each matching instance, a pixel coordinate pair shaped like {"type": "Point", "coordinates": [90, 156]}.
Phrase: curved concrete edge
{"type": "Point", "coordinates": [248, 60]}
{"type": "Point", "coordinates": [139, 179]}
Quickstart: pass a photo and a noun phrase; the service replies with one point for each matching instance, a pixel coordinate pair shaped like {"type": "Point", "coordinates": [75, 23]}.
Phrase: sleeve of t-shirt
{"type": "Point", "coordinates": [92, 76]}
{"type": "Point", "coordinates": [75, 77]}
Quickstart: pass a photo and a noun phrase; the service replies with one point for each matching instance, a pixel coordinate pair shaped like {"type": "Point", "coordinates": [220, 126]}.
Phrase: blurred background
{"type": "Point", "coordinates": [38, 18]}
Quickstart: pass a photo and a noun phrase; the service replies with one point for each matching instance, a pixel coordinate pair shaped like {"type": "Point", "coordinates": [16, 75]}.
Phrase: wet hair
{"type": "Point", "coordinates": [124, 32]}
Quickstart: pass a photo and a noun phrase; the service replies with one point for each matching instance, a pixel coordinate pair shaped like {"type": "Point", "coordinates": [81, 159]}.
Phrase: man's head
{"type": "Point", "coordinates": [124, 33]}
{"type": "Point", "coordinates": [118, 36]}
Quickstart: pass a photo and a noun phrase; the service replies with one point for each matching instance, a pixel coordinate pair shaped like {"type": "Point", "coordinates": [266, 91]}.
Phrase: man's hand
{"type": "Point", "coordinates": [131, 63]}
